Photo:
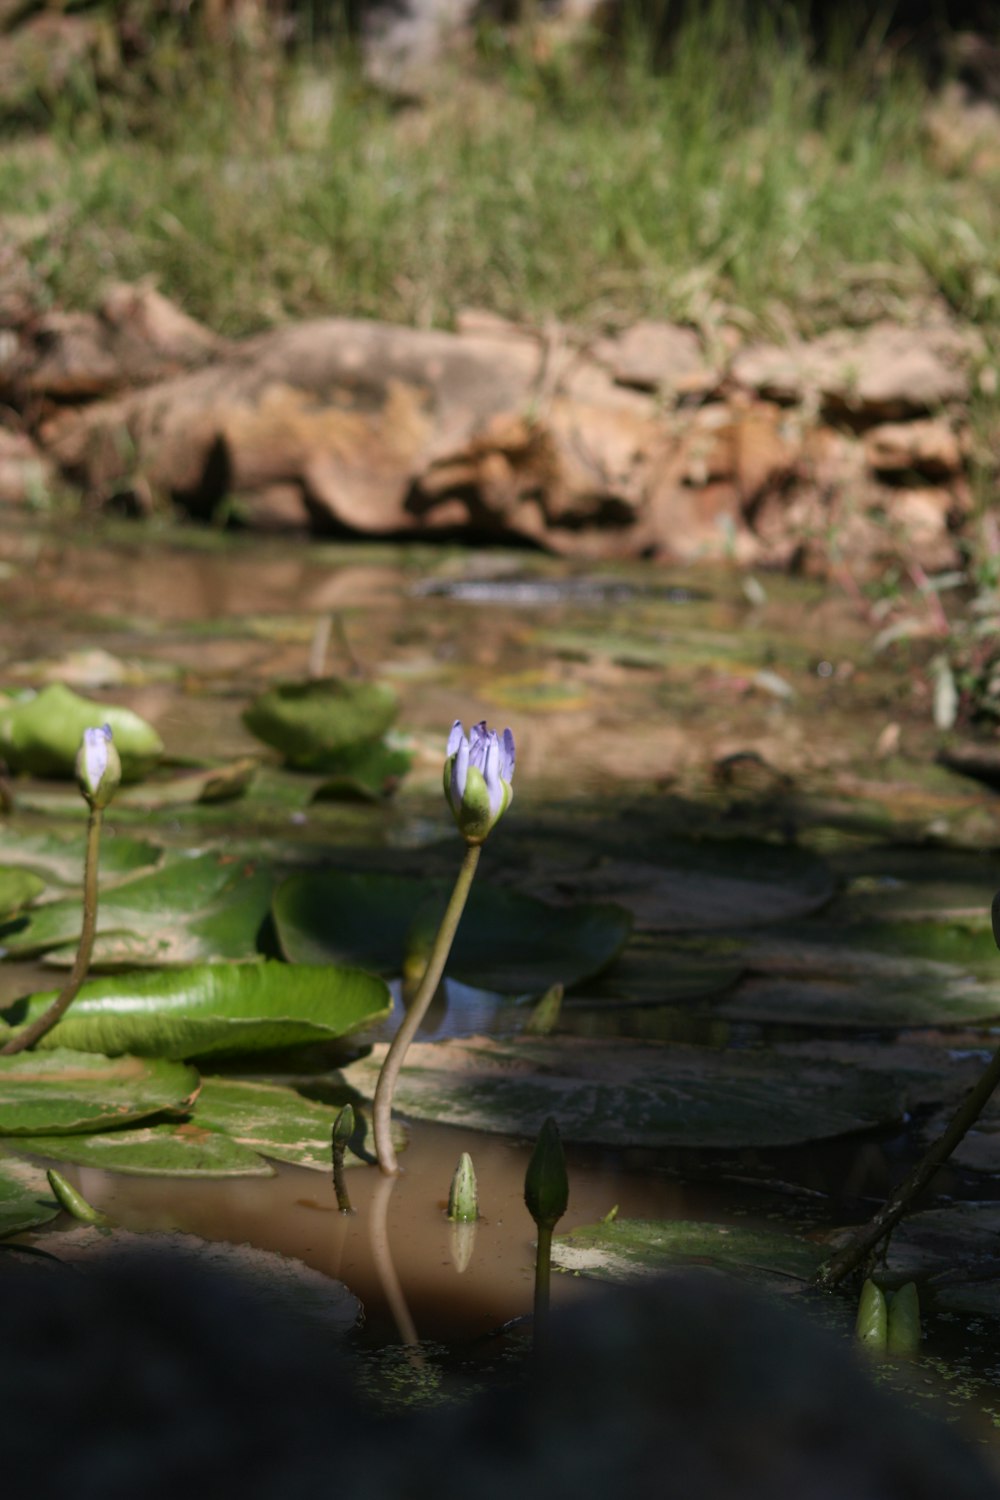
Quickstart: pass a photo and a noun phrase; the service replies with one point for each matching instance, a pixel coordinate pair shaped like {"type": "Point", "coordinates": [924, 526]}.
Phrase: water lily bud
{"type": "Point", "coordinates": [477, 778]}
{"type": "Point", "coordinates": [546, 1186]}
{"type": "Point", "coordinates": [463, 1199]}
{"type": "Point", "coordinates": [903, 1337]}
{"type": "Point", "coordinates": [871, 1328]}
{"type": "Point", "coordinates": [98, 768]}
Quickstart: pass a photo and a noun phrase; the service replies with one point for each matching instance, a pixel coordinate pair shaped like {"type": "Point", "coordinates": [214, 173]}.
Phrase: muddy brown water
{"type": "Point", "coordinates": [618, 680]}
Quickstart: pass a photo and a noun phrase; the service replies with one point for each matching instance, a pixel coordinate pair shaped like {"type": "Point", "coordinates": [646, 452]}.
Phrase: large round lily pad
{"type": "Point", "coordinates": [60, 858]}
{"type": "Point", "coordinates": [61, 1091]}
{"type": "Point", "coordinates": [317, 722]}
{"type": "Point", "coordinates": [185, 1149]}
{"type": "Point", "coordinates": [192, 911]}
{"type": "Point", "coordinates": [25, 1197]}
{"type": "Point", "coordinates": [507, 942]}
{"type": "Point", "coordinates": [215, 1008]}
{"type": "Point", "coordinates": [42, 735]}
{"type": "Point", "coordinates": [278, 1122]}
{"type": "Point", "coordinates": [624, 1094]}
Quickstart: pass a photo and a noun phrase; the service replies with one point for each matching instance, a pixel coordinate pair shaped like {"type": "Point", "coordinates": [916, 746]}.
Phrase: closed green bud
{"type": "Point", "coordinates": [872, 1326]}
{"type": "Point", "coordinates": [75, 1203]}
{"type": "Point", "coordinates": [98, 767]}
{"type": "Point", "coordinates": [463, 1199]}
{"type": "Point", "coordinates": [343, 1128]}
{"type": "Point", "coordinates": [546, 1186]}
{"type": "Point", "coordinates": [903, 1337]}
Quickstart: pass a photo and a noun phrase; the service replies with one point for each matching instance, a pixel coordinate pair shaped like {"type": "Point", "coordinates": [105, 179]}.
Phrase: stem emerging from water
{"type": "Point", "coordinates": [386, 1086]}
{"type": "Point", "coordinates": [849, 1256]}
{"type": "Point", "coordinates": [81, 963]}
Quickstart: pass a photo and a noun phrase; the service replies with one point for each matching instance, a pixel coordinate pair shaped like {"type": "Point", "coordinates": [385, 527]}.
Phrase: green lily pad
{"type": "Point", "coordinates": [629, 1249]}
{"type": "Point", "coordinates": [214, 784]}
{"type": "Point", "coordinates": [60, 1091]}
{"type": "Point", "coordinates": [216, 1008]}
{"type": "Point", "coordinates": [190, 911]}
{"type": "Point", "coordinates": [167, 1150]}
{"type": "Point", "coordinates": [657, 971]}
{"type": "Point", "coordinates": [626, 1094]}
{"type": "Point", "coordinates": [25, 1197]}
{"type": "Point", "coordinates": [367, 773]}
{"type": "Point", "coordinates": [275, 1121]}
{"type": "Point", "coordinates": [60, 858]}
{"type": "Point", "coordinates": [42, 736]}
{"type": "Point", "coordinates": [922, 999]}
{"type": "Point", "coordinates": [318, 720]}
{"type": "Point", "coordinates": [18, 888]}
{"type": "Point", "coordinates": [507, 943]}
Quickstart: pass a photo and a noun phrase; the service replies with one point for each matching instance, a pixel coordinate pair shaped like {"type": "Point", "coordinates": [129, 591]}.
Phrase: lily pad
{"type": "Point", "coordinates": [275, 1121]}
{"type": "Point", "coordinates": [60, 858]}
{"type": "Point", "coordinates": [624, 1094]}
{"type": "Point", "coordinates": [61, 1091]}
{"type": "Point", "coordinates": [368, 773]}
{"type": "Point", "coordinates": [214, 784]}
{"type": "Point", "coordinates": [25, 1197]}
{"type": "Point", "coordinates": [190, 911]}
{"type": "Point", "coordinates": [920, 999]}
{"type": "Point", "coordinates": [507, 943]}
{"type": "Point", "coordinates": [18, 888]}
{"type": "Point", "coordinates": [629, 1249]}
{"type": "Point", "coordinates": [215, 1008]}
{"type": "Point", "coordinates": [166, 1150]}
{"type": "Point", "coordinates": [43, 734]}
{"type": "Point", "coordinates": [657, 971]}
{"type": "Point", "coordinates": [315, 721]}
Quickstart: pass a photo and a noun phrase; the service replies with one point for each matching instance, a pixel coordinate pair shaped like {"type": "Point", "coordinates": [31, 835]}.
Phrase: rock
{"type": "Point", "coordinates": [883, 373]}
{"type": "Point", "coordinates": [927, 447]}
{"type": "Point", "coordinates": [654, 356]}
{"type": "Point", "coordinates": [25, 474]}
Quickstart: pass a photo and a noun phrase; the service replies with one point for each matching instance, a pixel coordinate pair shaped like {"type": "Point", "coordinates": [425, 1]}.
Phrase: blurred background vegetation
{"type": "Point", "coordinates": [776, 167]}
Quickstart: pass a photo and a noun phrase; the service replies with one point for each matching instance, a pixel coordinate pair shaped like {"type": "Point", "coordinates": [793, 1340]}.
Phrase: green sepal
{"type": "Point", "coordinates": [546, 1185]}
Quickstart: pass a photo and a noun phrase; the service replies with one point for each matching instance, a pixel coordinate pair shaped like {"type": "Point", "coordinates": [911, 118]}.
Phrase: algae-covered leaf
{"type": "Point", "coordinates": [507, 943]}
{"type": "Point", "coordinates": [60, 858]}
{"type": "Point", "coordinates": [42, 734]}
{"type": "Point", "coordinates": [276, 1121]}
{"type": "Point", "coordinates": [60, 1091]}
{"type": "Point", "coordinates": [315, 721]}
{"type": "Point", "coordinates": [192, 910]}
{"type": "Point", "coordinates": [26, 1199]}
{"type": "Point", "coordinates": [18, 888]}
{"type": "Point", "coordinates": [629, 1249]}
{"type": "Point", "coordinates": [215, 1008]}
{"type": "Point", "coordinates": [628, 1094]}
{"type": "Point", "coordinates": [185, 1149]}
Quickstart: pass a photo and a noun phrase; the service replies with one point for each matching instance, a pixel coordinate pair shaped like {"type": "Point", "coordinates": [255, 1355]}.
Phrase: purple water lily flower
{"type": "Point", "coordinates": [477, 778]}
{"type": "Point", "coordinates": [98, 767]}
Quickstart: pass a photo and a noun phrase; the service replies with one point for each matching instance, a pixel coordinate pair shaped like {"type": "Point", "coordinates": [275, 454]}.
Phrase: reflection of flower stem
{"type": "Point", "coordinates": [849, 1256]}
{"type": "Point", "coordinates": [33, 1033]}
{"type": "Point", "coordinates": [382, 1260]}
{"type": "Point", "coordinates": [386, 1087]}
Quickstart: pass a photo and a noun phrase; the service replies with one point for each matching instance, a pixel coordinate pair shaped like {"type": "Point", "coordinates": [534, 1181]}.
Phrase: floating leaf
{"type": "Point", "coordinates": [629, 1249]}
{"type": "Point", "coordinates": [624, 1094]}
{"type": "Point", "coordinates": [191, 910]}
{"type": "Point", "coordinates": [60, 858]}
{"type": "Point", "coordinates": [657, 971]}
{"type": "Point", "coordinates": [26, 1199]}
{"type": "Point", "coordinates": [182, 1150]}
{"type": "Point", "coordinates": [315, 721]}
{"type": "Point", "coordinates": [59, 1091]}
{"type": "Point", "coordinates": [18, 888]}
{"type": "Point", "coordinates": [276, 1121]}
{"type": "Point", "coordinates": [215, 784]}
{"type": "Point", "coordinates": [506, 943]}
{"type": "Point", "coordinates": [369, 773]}
{"type": "Point", "coordinates": [42, 736]}
{"type": "Point", "coordinates": [216, 1008]}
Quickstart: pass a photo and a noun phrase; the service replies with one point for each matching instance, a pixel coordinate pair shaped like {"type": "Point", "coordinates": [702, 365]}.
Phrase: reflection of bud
{"type": "Point", "coordinates": [98, 768]}
{"type": "Point", "coordinates": [461, 1244]}
{"type": "Point", "coordinates": [546, 1186]}
{"type": "Point", "coordinates": [477, 778]}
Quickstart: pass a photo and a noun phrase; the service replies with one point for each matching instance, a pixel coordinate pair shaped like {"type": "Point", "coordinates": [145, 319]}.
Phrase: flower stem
{"type": "Point", "coordinates": [22, 1040]}
{"type": "Point", "coordinates": [543, 1279]}
{"type": "Point", "coordinates": [386, 1085]}
{"type": "Point", "coordinates": [849, 1256]}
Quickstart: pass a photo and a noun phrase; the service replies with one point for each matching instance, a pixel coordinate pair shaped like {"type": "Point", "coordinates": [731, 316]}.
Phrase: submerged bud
{"type": "Point", "coordinates": [477, 778]}
{"type": "Point", "coordinates": [98, 768]}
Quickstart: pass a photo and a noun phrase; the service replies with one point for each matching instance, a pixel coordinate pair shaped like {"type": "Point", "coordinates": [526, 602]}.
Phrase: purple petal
{"type": "Point", "coordinates": [95, 753]}
{"type": "Point", "coordinates": [455, 738]}
{"type": "Point", "coordinates": [459, 772]}
{"type": "Point", "coordinates": [479, 743]}
{"type": "Point", "coordinates": [491, 774]}
{"type": "Point", "coordinates": [507, 756]}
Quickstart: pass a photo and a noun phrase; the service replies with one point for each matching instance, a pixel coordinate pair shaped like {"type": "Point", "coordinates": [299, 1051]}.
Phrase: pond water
{"type": "Point", "coordinates": [824, 885]}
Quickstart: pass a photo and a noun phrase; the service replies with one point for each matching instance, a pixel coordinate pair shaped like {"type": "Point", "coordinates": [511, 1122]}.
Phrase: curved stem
{"type": "Point", "coordinates": [81, 963]}
{"type": "Point", "coordinates": [849, 1256]}
{"type": "Point", "coordinates": [386, 1086]}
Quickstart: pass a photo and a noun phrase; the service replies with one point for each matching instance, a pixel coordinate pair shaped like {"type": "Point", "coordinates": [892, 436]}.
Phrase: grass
{"type": "Point", "coordinates": [742, 181]}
